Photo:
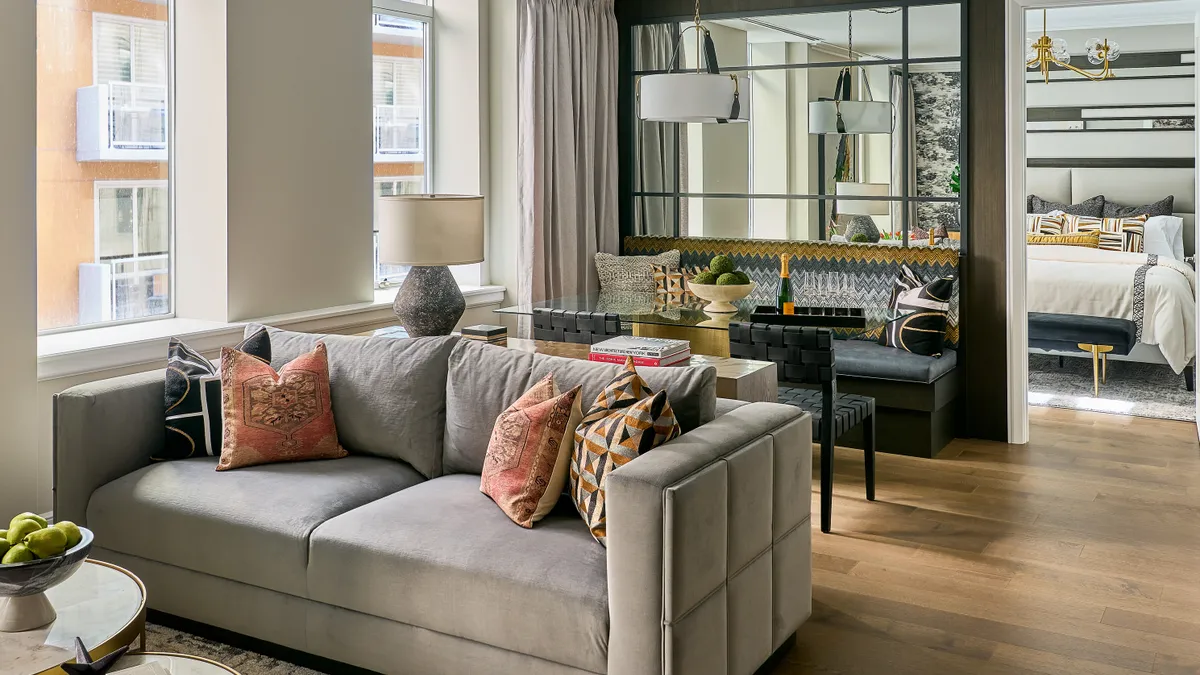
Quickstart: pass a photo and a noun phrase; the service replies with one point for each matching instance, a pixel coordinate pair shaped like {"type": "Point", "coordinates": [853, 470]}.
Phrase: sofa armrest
{"type": "Point", "coordinates": [710, 547]}
{"type": "Point", "coordinates": [728, 405]}
{"type": "Point", "coordinates": [102, 431]}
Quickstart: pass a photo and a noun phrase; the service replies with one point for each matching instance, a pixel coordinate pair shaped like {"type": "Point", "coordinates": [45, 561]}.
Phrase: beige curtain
{"type": "Point", "coordinates": [567, 162]}
{"type": "Point", "coordinates": [655, 151]}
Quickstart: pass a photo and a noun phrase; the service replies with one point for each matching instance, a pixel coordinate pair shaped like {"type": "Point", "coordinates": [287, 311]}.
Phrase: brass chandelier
{"type": "Point", "coordinates": [1044, 51]}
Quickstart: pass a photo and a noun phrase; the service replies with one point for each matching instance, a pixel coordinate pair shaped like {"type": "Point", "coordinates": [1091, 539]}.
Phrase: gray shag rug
{"type": "Point", "coordinates": [1138, 389]}
{"type": "Point", "coordinates": [163, 639]}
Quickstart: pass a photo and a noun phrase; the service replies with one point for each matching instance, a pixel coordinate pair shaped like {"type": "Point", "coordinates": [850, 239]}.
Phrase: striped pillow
{"type": "Point", "coordinates": [1116, 234]}
{"type": "Point", "coordinates": [1086, 239]}
{"type": "Point", "coordinates": [923, 331]}
{"type": "Point", "coordinates": [1045, 224]}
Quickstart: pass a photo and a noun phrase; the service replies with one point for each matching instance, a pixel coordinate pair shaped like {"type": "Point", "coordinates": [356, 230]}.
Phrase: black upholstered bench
{"type": "Point", "coordinates": [1100, 336]}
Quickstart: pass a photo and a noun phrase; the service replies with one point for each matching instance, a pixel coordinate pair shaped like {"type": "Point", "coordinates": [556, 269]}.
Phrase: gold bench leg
{"type": "Point", "coordinates": [1099, 354]}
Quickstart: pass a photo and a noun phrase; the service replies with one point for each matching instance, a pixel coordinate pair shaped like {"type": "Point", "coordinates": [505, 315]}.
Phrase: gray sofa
{"type": "Point", "coordinates": [391, 559]}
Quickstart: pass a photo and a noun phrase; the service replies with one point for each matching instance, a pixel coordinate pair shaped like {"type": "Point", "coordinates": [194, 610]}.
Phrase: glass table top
{"type": "Point", "coordinates": [647, 308]}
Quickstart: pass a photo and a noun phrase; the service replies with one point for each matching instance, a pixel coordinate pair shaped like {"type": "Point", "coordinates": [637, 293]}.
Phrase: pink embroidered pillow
{"type": "Point", "coordinates": [525, 469]}
{"type": "Point", "coordinates": [273, 417]}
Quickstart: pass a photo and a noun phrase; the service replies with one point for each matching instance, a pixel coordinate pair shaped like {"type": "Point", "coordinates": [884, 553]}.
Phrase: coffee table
{"type": "Point", "coordinates": [176, 664]}
{"type": "Point", "coordinates": [101, 603]}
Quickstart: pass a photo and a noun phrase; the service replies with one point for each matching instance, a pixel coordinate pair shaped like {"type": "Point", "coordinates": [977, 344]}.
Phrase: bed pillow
{"type": "Point", "coordinates": [1093, 208]}
{"type": "Point", "coordinates": [1085, 240]}
{"type": "Point", "coordinates": [1162, 207]}
{"type": "Point", "coordinates": [1045, 224]}
{"type": "Point", "coordinates": [632, 272]}
{"type": "Point", "coordinates": [1164, 236]}
{"type": "Point", "coordinates": [1116, 234]}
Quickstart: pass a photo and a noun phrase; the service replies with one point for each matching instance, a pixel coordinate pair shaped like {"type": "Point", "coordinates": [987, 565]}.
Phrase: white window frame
{"type": "Point", "coordinates": [97, 17]}
{"type": "Point", "coordinates": [99, 185]}
{"type": "Point", "coordinates": [392, 280]}
{"type": "Point", "coordinates": [423, 13]}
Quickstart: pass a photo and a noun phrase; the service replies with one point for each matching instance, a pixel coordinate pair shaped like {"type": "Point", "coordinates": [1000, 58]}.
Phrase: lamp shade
{"type": "Point", "coordinates": [859, 117]}
{"type": "Point", "coordinates": [692, 97]}
{"type": "Point", "coordinates": [430, 230]}
{"type": "Point", "coordinates": [860, 207]}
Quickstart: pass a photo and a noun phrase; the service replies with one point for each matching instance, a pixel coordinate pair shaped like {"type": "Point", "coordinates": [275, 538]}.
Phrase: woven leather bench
{"type": "Point", "coordinates": [1069, 333]}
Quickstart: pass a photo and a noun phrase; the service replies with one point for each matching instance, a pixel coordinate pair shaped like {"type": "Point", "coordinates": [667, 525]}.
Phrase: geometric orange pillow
{"type": "Point", "coordinates": [525, 468]}
{"type": "Point", "coordinates": [273, 417]}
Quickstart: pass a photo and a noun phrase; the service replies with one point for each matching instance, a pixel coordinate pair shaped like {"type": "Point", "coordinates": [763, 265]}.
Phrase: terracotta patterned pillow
{"type": "Point", "coordinates": [626, 420]}
{"type": "Point", "coordinates": [525, 469]}
{"type": "Point", "coordinates": [276, 417]}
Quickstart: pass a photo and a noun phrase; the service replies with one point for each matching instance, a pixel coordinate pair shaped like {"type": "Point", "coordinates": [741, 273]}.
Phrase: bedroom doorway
{"type": "Point", "coordinates": [1103, 172]}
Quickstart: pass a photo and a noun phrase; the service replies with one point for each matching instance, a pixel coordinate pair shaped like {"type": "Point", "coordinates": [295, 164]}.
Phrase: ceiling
{"type": "Point", "coordinates": [935, 29]}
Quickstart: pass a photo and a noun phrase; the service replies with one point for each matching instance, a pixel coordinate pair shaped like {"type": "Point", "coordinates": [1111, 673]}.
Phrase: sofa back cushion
{"type": "Point", "coordinates": [486, 379]}
{"type": "Point", "coordinates": [389, 395]}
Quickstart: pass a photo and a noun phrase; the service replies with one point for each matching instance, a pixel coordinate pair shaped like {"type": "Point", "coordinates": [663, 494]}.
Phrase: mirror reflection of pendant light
{"type": "Point", "coordinates": [703, 96]}
{"type": "Point", "coordinates": [851, 117]}
{"type": "Point", "coordinates": [1041, 54]}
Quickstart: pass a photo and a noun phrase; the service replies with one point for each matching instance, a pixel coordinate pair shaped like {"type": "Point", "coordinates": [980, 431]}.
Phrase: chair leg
{"type": "Point", "coordinates": [1189, 378]}
{"type": "Point", "coordinates": [869, 454]}
{"type": "Point", "coordinates": [826, 481]}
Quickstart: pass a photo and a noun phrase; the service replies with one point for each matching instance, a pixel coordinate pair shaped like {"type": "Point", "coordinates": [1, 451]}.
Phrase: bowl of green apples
{"type": "Point", "coordinates": [36, 556]}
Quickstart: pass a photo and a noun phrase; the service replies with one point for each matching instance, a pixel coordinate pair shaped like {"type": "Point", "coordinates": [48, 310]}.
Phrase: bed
{"type": "Point", "coordinates": [1157, 292]}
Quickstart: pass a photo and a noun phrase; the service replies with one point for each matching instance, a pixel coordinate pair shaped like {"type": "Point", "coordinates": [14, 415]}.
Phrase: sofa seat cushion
{"type": "Point", "coordinates": [442, 556]}
{"type": "Point", "coordinates": [250, 525]}
{"type": "Point", "coordinates": [859, 358]}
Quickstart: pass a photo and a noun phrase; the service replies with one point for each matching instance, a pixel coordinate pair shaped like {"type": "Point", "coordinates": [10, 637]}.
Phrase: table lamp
{"type": "Point", "coordinates": [430, 232]}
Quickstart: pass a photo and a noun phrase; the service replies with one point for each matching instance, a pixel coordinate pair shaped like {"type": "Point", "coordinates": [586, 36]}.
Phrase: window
{"type": "Point", "coordinates": [133, 250]}
{"type": "Point", "coordinates": [400, 102]}
{"type": "Point", "coordinates": [104, 218]}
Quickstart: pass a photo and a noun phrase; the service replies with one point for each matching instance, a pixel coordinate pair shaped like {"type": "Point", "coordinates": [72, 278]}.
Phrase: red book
{"type": "Point", "coordinates": [679, 359]}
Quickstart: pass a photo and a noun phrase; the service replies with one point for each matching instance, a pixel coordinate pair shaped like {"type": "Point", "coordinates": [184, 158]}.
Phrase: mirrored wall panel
{"type": "Point", "coordinates": [786, 172]}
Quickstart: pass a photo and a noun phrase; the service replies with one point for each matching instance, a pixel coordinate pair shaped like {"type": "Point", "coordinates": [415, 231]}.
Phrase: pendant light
{"type": "Point", "coordinates": [851, 117]}
{"type": "Point", "coordinates": [703, 96]}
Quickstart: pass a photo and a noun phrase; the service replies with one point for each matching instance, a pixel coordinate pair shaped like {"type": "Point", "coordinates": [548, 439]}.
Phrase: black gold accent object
{"type": "Point", "coordinates": [84, 663]}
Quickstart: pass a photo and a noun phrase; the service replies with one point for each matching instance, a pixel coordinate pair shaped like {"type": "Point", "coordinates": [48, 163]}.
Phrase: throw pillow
{"type": "Point", "coordinates": [525, 469]}
{"type": "Point", "coordinates": [1093, 208]}
{"type": "Point", "coordinates": [923, 330]}
{"type": "Point", "coordinates": [193, 398]}
{"type": "Point", "coordinates": [273, 416]}
{"type": "Point", "coordinates": [632, 272]}
{"type": "Point", "coordinates": [1162, 207]}
{"type": "Point", "coordinates": [626, 420]}
{"type": "Point", "coordinates": [1116, 234]}
{"type": "Point", "coordinates": [1085, 240]}
{"type": "Point", "coordinates": [1045, 224]}
{"type": "Point", "coordinates": [669, 286]}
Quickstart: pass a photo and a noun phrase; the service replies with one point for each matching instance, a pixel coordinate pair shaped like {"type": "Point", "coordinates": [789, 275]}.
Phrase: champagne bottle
{"type": "Point", "coordinates": [785, 303]}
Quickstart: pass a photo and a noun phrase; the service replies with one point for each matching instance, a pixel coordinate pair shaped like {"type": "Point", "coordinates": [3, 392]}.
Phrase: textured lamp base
{"type": "Point", "coordinates": [429, 302]}
{"type": "Point", "coordinates": [25, 613]}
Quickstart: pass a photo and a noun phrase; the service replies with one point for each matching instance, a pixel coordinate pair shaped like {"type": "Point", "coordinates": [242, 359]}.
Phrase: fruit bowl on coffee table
{"type": "Point", "coordinates": [721, 297]}
{"type": "Point", "coordinates": [23, 585]}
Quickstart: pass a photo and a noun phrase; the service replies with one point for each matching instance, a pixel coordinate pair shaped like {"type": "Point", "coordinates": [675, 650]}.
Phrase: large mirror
{"type": "Point", "coordinates": [774, 176]}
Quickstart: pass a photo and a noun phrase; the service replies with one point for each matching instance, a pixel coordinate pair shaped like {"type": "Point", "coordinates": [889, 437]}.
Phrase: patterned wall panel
{"type": "Point", "coordinates": [870, 268]}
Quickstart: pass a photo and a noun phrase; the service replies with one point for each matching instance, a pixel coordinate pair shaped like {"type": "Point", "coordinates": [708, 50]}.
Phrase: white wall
{"type": "Point", "coordinates": [18, 255]}
{"type": "Point", "coordinates": [501, 196]}
{"type": "Point", "coordinates": [300, 155]}
{"type": "Point", "coordinates": [770, 142]}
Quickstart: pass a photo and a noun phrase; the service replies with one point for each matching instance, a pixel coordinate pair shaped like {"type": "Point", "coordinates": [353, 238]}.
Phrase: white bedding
{"type": "Point", "coordinates": [1090, 282]}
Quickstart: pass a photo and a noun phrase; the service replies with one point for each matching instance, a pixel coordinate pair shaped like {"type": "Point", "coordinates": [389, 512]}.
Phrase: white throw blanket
{"type": "Point", "coordinates": [1091, 282]}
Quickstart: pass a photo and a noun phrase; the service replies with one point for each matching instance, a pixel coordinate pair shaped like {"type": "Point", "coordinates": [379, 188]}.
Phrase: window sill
{"type": "Point", "coordinates": [140, 344]}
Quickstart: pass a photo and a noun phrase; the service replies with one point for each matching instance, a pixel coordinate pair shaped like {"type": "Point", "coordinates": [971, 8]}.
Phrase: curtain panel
{"type": "Point", "coordinates": [567, 161]}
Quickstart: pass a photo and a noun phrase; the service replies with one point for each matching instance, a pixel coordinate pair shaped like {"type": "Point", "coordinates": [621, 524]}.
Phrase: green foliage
{"type": "Point", "coordinates": [955, 179]}
{"type": "Point", "coordinates": [705, 279]}
{"type": "Point", "coordinates": [729, 279]}
{"type": "Point", "coordinates": [743, 278]}
{"type": "Point", "coordinates": [860, 238]}
{"type": "Point", "coordinates": [721, 265]}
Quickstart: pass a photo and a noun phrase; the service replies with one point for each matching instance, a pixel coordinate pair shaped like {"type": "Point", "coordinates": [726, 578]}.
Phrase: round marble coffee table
{"type": "Point", "coordinates": [176, 664]}
{"type": "Point", "coordinates": [103, 604]}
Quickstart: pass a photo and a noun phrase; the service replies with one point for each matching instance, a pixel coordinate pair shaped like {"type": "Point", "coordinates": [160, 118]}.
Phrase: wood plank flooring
{"type": "Point", "coordinates": [1078, 553]}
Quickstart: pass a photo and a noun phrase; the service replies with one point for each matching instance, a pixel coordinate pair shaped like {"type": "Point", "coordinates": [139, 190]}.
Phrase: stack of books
{"type": "Point", "coordinates": [646, 351]}
{"type": "Point", "coordinates": [493, 335]}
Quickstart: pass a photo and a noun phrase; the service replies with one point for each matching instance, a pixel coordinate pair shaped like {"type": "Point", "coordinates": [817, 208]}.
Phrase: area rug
{"type": "Point", "coordinates": [1138, 389]}
{"type": "Point", "coordinates": [163, 639]}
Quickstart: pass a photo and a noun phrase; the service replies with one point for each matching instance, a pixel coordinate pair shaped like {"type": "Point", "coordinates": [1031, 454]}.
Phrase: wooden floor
{"type": "Point", "coordinates": [1079, 553]}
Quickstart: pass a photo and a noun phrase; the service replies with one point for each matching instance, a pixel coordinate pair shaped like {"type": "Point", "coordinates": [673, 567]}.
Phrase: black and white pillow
{"type": "Point", "coordinates": [193, 398]}
{"type": "Point", "coordinates": [923, 330]}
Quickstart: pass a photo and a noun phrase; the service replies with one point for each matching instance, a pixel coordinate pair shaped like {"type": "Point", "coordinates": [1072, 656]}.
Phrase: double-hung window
{"type": "Point", "coordinates": [131, 63]}
{"type": "Point", "coordinates": [133, 243]}
{"type": "Point", "coordinates": [401, 37]}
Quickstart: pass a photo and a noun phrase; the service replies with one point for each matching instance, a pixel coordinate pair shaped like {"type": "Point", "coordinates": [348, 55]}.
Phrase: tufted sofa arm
{"type": "Point", "coordinates": [710, 547]}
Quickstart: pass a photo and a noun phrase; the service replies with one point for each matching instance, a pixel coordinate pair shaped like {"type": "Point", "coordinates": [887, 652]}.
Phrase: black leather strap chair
{"type": "Point", "coordinates": [579, 327]}
{"type": "Point", "coordinates": [805, 356]}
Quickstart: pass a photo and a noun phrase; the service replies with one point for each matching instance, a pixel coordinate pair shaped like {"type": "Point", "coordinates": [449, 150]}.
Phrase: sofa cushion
{"type": "Point", "coordinates": [389, 394]}
{"type": "Point", "coordinates": [858, 358]}
{"type": "Point", "coordinates": [251, 525]}
{"type": "Point", "coordinates": [442, 556]}
{"type": "Point", "coordinates": [485, 379]}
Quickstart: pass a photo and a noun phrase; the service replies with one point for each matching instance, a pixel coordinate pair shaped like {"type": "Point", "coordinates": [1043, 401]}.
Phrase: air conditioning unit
{"type": "Point", "coordinates": [121, 122]}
